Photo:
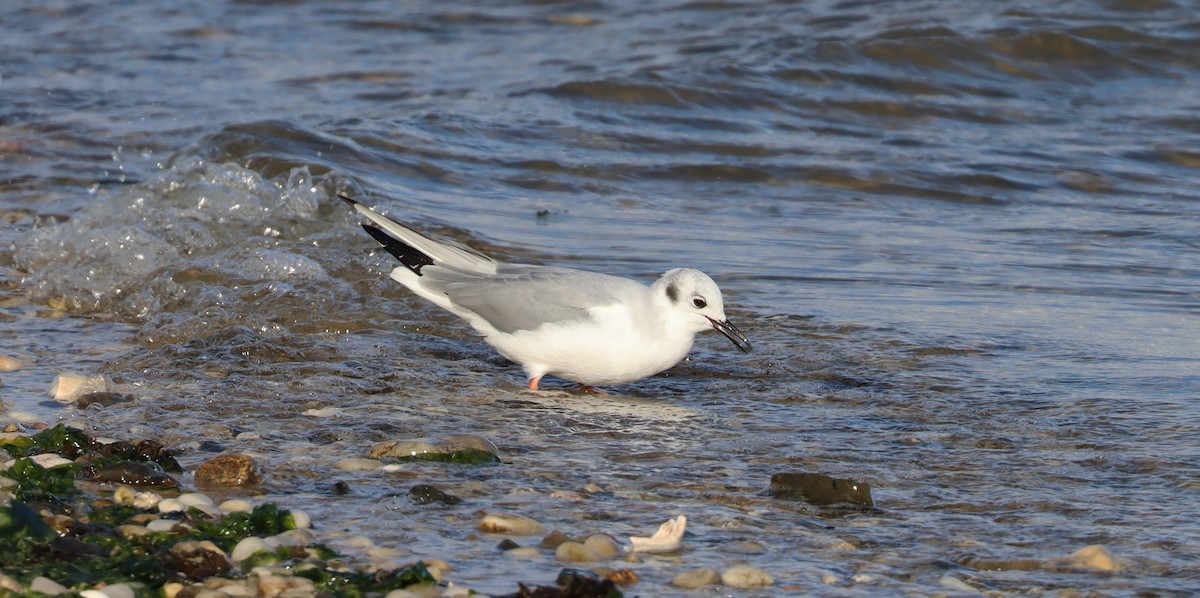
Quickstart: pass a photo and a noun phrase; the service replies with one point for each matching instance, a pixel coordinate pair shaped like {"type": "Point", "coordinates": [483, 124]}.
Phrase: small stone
{"type": "Point", "coordinates": [401, 448]}
{"type": "Point", "coordinates": [198, 560]}
{"type": "Point", "coordinates": [45, 585]}
{"type": "Point", "coordinates": [696, 578]}
{"type": "Point", "coordinates": [233, 469]}
{"type": "Point", "coordinates": [1095, 556]}
{"type": "Point", "coordinates": [820, 489]}
{"type": "Point", "coordinates": [195, 499]}
{"type": "Point", "coordinates": [247, 547]}
{"type": "Point", "coordinates": [510, 524]}
{"type": "Point", "coordinates": [357, 464]}
{"type": "Point", "coordinates": [746, 576]}
{"type": "Point", "coordinates": [171, 589]}
{"type": "Point", "coordinates": [622, 577]}
{"type": "Point", "coordinates": [604, 545]}
{"type": "Point", "coordinates": [507, 544]}
{"type": "Point", "coordinates": [70, 386]}
{"type": "Point", "coordinates": [553, 539]}
{"type": "Point", "coordinates": [956, 584]}
{"type": "Point", "coordinates": [10, 364]}
{"type": "Point", "coordinates": [275, 585]}
{"type": "Point", "coordinates": [131, 531]}
{"type": "Point", "coordinates": [236, 505]}
{"type": "Point", "coordinates": [8, 584]}
{"type": "Point", "coordinates": [300, 519]}
{"type": "Point", "coordinates": [524, 552]}
{"type": "Point", "coordinates": [118, 590]}
{"type": "Point", "coordinates": [162, 525]}
{"type": "Point", "coordinates": [574, 552]}
{"type": "Point", "coordinates": [171, 505]}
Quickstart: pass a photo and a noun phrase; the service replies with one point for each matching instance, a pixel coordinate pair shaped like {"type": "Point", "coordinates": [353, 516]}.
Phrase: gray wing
{"type": "Point", "coordinates": [520, 297]}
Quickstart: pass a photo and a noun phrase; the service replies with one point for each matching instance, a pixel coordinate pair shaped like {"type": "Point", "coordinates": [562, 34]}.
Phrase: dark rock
{"type": "Point", "coordinates": [234, 469]}
{"type": "Point", "coordinates": [131, 473]}
{"type": "Point", "coordinates": [506, 545]}
{"type": "Point", "coordinates": [340, 487]}
{"type": "Point", "coordinates": [210, 446]}
{"type": "Point", "coordinates": [199, 560]}
{"type": "Point", "coordinates": [104, 399]}
{"type": "Point", "coordinates": [423, 494]}
{"type": "Point", "coordinates": [819, 489]}
{"type": "Point", "coordinates": [553, 539]}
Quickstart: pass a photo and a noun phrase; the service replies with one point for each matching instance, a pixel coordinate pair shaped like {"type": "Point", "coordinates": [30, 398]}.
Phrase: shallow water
{"type": "Point", "coordinates": [962, 238]}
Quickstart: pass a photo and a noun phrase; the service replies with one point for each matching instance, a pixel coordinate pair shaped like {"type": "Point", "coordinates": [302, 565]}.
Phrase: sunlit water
{"type": "Point", "coordinates": [963, 238]}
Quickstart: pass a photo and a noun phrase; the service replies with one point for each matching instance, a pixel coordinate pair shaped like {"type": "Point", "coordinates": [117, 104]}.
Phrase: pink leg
{"type": "Point", "coordinates": [533, 383]}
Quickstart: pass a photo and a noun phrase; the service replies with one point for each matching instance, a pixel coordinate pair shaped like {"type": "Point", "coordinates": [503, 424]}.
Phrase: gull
{"type": "Point", "coordinates": [585, 327]}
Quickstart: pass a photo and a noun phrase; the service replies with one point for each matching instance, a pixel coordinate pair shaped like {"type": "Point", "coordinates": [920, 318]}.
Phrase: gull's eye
{"type": "Point", "coordinates": [699, 302]}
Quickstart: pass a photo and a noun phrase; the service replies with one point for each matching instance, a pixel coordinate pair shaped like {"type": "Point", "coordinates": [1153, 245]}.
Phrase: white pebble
{"type": "Point", "coordinates": [146, 500]}
{"type": "Point", "coordinates": [236, 505]}
{"type": "Point", "coordinates": [746, 576]}
{"type": "Point", "coordinates": [512, 524]}
{"type": "Point", "coordinates": [171, 505]}
{"type": "Point", "coordinates": [356, 463]}
{"type": "Point", "coordinates": [123, 495]}
{"type": "Point", "coordinates": [93, 594]}
{"type": "Point", "coordinates": [70, 386]}
{"type": "Point", "coordinates": [118, 590]}
{"type": "Point", "coordinates": [954, 583]}
{"type": "Point", "coordinates": [46, 586]}
{"type": "Point", "coordinates": [162, 525]}
{"type": "Point", "coordinates": [300, 518]}
{"type": "Point", "coordinates": [195, 499]}
{"type": "Point", "coordinates": [247, 547]}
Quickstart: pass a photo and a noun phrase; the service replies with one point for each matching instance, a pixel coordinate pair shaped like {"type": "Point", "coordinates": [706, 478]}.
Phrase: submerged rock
{"type": "Point", "coordinates": [131, 473]}
{"type": "Point", "coordinates": [423, 494]}
{"type": "Point", "coordinates": [1095, 556]}
{"type": "Point", "coordinates": [574, 552]}
{"type": "Point", "coordinates": [746, 576]}
{"type": "Point", "coordinates": [511, 524]}
{"type": "Point", "coordinates": [70, 386]}
{"type": "Point", "coordinates": [819, 489]}
{"type": "Point", "coordinates": [104, 399]}
{"type": "Point", "coordinates": [696, 578]}
{"type": "Point", "coordinates": [229, 470]}
{"type": "Point", "coordinates": [457, 448]}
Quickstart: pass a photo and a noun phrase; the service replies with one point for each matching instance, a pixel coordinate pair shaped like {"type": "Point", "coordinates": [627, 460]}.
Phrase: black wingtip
{"type": "Point", "coordinates": [408, 255]}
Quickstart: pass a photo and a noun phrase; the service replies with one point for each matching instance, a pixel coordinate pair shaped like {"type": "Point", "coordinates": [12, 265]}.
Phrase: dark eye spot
{"type": "Point", "coordinates": [699, 302]}
{"type": "Point", "coordinates": [672, 293]}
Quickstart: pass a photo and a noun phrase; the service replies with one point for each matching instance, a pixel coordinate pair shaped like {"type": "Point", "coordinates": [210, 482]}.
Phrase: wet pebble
{"type": "Point", "coordinates": [574, 552]}
{"type": "Point", "coordinates": [133, 474]}
{"type": "Point", "coordinates": [603, 545]}
{"type": "Point", "coordinates": [236, 505]}
{"type": "Point", "coordinates": [10, 364]}
{"type": "Point", "coordinates": [161, 525]}
{"type": "Point", "coordinates": [510, 524]}
{"type": "Point", "coordinates": [746, 576]}
{"type": "Point", "coordinates": [696, 578]}
{"type": "Point", "coordinates": [745, 547]}
{"type": "Point", "coordinates": [1095, 556]}
{"type": "Point", "coordinates": [104, 399]}
{"type": "Point", "coordinates": [171, 505]}
{"type": "Point", "coordinates": [246, 547]}
{"type": "Point", "coordinates": [524, 552]}
{"type": "Point", "coordinates": [235, 469]}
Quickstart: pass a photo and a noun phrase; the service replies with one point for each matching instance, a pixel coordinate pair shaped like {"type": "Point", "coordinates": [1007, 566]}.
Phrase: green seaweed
{"type": "Point", "coordinates": [265, 520]}
{"type": "Point", "coordinates": [355, 584]}
{"type": "Point", "coordinates": [38, 484]}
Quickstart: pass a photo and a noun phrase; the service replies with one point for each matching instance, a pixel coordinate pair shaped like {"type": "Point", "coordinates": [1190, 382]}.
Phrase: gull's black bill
{"type": "Point", "coordinates": [732, 333]}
